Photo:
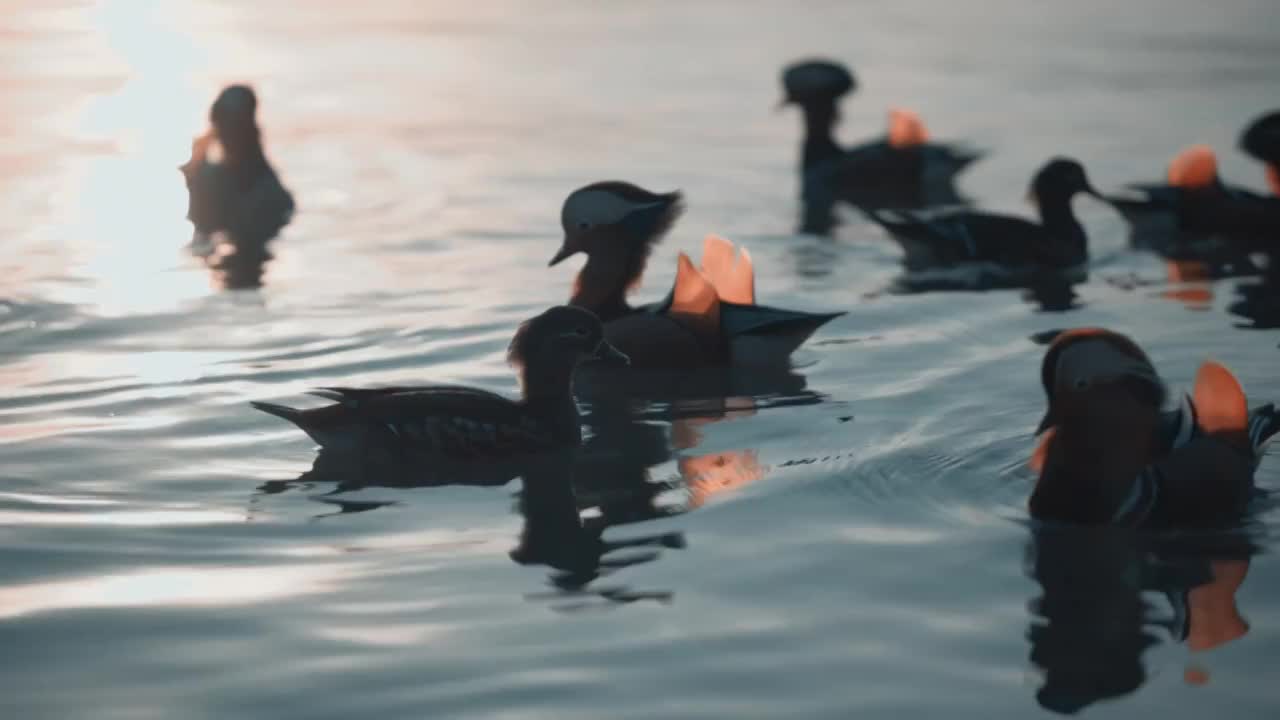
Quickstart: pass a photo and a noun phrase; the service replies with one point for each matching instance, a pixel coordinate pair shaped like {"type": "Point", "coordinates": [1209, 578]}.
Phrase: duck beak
{"type": "Point", "coordinates": [565, 251]}
{"type": "Point", "coordinates": [782, 103]}
{"type": "Point", "coordinates": [610, 355]}
{"type": "Point", "coordinates": [1046, 422]}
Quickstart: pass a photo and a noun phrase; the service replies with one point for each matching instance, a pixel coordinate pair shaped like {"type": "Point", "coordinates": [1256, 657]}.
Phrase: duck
{"type": "Point", "coordinates": [462, 423]}
{"type": "Point", "coordinates": [1012, 248]}
{"type": "Point", "coordinates": [240, 193]}
{"type": "Point", "coordinates": [1110, 454]}
{"type": "Point", "coordinates": [710, 317]}
{"type": "Point", "coordinates": [903, 168]}
{"type": "Point", "coordinates": [1195, 215]}
{"type": "Point", "coordinates": [1261, 140]}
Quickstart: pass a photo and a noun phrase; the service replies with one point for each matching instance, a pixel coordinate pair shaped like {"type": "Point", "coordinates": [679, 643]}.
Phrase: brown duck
{"type": "Point", "coordinates": [1109, 453]}
{"type": "Point", "coordinates": [710, 316]}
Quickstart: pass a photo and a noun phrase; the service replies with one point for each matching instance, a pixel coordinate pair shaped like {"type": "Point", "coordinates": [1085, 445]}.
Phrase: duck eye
{"type": "Point", "coordinates": [1081, 384]}
{"type": "Point", "coordinates": [584, 225]}
{"type": "Point", "coordinates": [580, 331]}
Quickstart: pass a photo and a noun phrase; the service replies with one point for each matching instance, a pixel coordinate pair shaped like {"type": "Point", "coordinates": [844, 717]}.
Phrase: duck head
{"type": "Point", "coordinates": [1058, 181]}
{"type": "Point", "coordinates": [815, 83]}
{"type": "Point", "coordinates": [547, 348]}
{"type": "Point", "coordinates": [234, 119]}
{"type": "Point", "coordinates": [1083, 359]}
{"type": "Point", "coordinates": [1104, 402]}
{"type": "Point", "coordinates": [1261, 140]}
{"type": "Point", "coordinates": [615, 224]}
{"type": "Point", "coordinates": [1194, 168]}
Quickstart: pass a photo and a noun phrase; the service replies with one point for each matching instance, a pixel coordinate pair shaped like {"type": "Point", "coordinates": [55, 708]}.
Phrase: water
{"type": "Point", "coordinates": [848, 539]}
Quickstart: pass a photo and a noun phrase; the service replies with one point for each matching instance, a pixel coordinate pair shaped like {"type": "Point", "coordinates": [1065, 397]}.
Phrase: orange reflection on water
{"type": "Point", "coordinates": [1215, 618]}
{"type": "Point", "coordinates": [1196, 296]}
{"type": "Point", "coordinates": [712, 473]}
{"type": "Point", "coordinates": [179, 586]}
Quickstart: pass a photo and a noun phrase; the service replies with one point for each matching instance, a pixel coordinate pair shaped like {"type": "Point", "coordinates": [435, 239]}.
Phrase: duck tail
{"type": "Point", "coordinates": [293, 415]}
{"type": "Point", "coordinates": [1264, 424]}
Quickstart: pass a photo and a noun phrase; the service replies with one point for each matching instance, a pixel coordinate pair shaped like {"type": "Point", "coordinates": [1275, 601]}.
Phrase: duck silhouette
{"type": "Point", "coordinates": [1261, 140]}
{"type": "Point", "coordinates": [1110, 454]}
{"type": "Point", "coordinates": [902, 169]}
{"type": "Point", "coordinates": [459, 423]}
{"type": "Point", "coordinates": [1195, 215]}
{"type": "Point", "coordinates": [992, 250]}
{"type": "Point", "coordinates": [710, 317]}
{"type": "Point", "coordinates": [238, 194]}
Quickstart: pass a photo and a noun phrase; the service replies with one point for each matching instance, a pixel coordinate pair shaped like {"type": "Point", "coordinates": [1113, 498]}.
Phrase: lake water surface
{"type": "Point", "coordinates": [848, 539]}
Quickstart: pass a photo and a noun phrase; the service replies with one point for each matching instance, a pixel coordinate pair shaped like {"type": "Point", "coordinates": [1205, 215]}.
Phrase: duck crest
{"type": "Point", "coordinates": [906, 129]}
{"type": "Point", "coordinates": [1194, 168]}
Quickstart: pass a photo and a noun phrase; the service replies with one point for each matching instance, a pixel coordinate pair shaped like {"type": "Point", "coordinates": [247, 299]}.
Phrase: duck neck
{"type": "Point", "coordinates": [243, 154]}
{"type": "Point", "coordinates": [547, 388]}
{"type": "Point", "coordinates": [1060, 220]}
{"type": "Point", "coordinates": [1088, 473]}
{"type": "Point", "coordinates": [607, 277]}
{"type": "Point", "coordinates": [819, 127]}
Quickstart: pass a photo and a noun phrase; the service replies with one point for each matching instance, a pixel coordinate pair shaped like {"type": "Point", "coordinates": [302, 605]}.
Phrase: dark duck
{"type": "Point", "coordinates": [1006, 250]}
{"type": "Point", "coordinates": [462, 423]}
{"type": "Point", "coordinates": [710, 318]}
{"type": "Point", "coordinates": [1194, 215]}
{"type": "Point", "coordinates": [239, 193]}
{"type": "Point", "coordinates": [1110, 454]}
{"type": "Point", "coordinates": [1261, 140]}
{"type": "Point", "coordinates": [902, 169]}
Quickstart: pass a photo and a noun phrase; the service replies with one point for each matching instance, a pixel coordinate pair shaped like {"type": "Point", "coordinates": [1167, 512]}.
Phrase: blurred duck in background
{"type": "Point", "coordinates": [1261, 140]}
{"type": "Point", "coordinates": [1194, 215]}
{"type": "Point", "coordinates": [237, 193]}
{"type": "Point", "coordinates": [902, 169]}
{"type": "Point", "coordinates": [968, 249]}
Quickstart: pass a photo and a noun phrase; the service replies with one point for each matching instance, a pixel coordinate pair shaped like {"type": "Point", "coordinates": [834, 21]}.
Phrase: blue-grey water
{"type": "Point", "coordinates": [849, 540]}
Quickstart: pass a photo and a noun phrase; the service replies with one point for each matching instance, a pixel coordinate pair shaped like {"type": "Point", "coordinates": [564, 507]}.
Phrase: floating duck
{"type": "Point", "coordinates": [1262, 141]}
{"type": "Point", "coordinates": [1011, 249]}
{"type": "Point", "coordinates": [466, 423]}
{"type": "Point", "coordinates": [1109, 454]}
{"type": "Point", "coordinates": [1194, 215]}
{"type": "Point", "coordinates": [901, 169]}
{"type": "Point", "coordinates": [709, 318]}
{"type": "Point", "coordinates": [240, 194]}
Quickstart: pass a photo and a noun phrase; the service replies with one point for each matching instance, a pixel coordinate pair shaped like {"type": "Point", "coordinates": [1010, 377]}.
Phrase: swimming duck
{"type": "Point", "coordinates": [710, 316]}
{"type": "Point", "coordinates": [240, 194]}
{"type": "Point", "coordinates": [1109, 455]}
{"type": "Point", "coordinates": [1011, 246]}
{"type": "Point", "coordinates": [1262, 141]}
{"type": "Point", "coordinates": [466, 423]}
{"type": "Point", "coordinates": [1195, 215]}
{"type": "Point", "coordinates": [901, 169]}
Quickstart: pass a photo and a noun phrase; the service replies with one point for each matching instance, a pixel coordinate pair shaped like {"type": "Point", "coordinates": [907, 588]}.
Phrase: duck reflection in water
{"type": "Point", "coordinates": [1110, 594]}
{"type": "Point", "coordinates": [235, 201]}
{"type": "Point", "coordinates": [569, 500]}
